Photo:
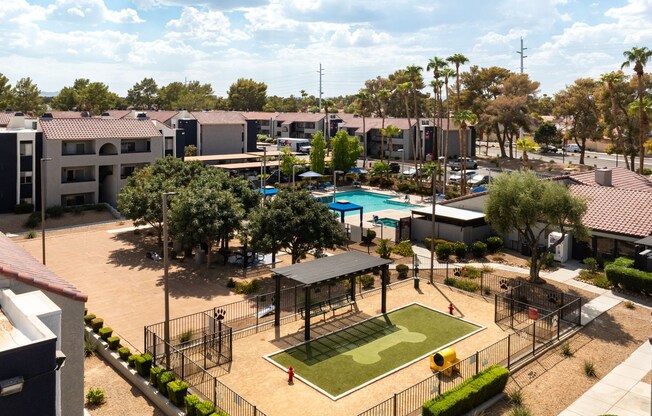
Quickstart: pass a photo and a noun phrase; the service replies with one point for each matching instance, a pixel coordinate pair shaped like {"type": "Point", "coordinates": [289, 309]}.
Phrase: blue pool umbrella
{"type": "Point", "coordinates": [357, 170]}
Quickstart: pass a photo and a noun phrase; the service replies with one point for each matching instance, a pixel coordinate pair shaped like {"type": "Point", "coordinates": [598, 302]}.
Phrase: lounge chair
{"type": "Point", "coordinates": [356, 184]}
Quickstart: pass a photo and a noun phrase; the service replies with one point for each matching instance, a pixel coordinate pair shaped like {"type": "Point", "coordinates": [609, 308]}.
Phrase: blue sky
{"type": "Point", "coordinates": [282, 42]}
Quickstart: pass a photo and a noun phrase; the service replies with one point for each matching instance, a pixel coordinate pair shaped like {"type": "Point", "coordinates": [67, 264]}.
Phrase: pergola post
{"type": "Point", "coordinates": [361, 209]}
{"type": "Point", "coordinates": [277, 300]}
{"type": "Point", "coordinates": [352, 289]}
{"type": "Point", "coordinates": [383, 278]}
{"type": "Point", "coordinates": [306, 312]}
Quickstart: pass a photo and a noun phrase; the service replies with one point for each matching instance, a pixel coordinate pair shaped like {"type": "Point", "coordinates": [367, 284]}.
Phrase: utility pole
{"type": "Point", "coordinates": [321, 72]}
{"type": "Point", "coordinates": [523, 56]}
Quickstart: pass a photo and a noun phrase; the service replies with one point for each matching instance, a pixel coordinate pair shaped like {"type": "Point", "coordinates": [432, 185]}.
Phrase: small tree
{"type": "Point", "coordinates": [190, 150]}
{"type": "Point", "coordinates": [546, 134]}
{"type": "Point", "coordinates": [317, 152]}
{"type": "Point", "coordinates": [346, 151]}
{"type": "Point", "coordinates": [288, 160]}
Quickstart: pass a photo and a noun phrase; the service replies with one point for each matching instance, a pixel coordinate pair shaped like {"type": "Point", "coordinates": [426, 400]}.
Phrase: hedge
{"type": "Point", "coordinates": [204, 408]}
{"type": "Point", "coordinates": [144, 364]}
{"type": "Point", "coordinates": [470, 394]}
{"type": "Point", "coordinates": [402, 270]}
{"type": "Point", "coordinates": [131, 360]}
{"type": "Point", "coordinates": [460, 249]}
{"type": "Point", "coordinates": [494, 244]}
{"type": "Point", "coordinates": [114, 342]}
{"type": "Point", "coordinates": [105, 332]}
{"type": "Point", "coordinates": [443, 251]}
{"type": "Point", "coordinates": [163, 379]}
{"type": "Point", "coordinates": [479, 249]}
{"type": "Point", "coordinates": [154, 372]}
{"type": "Point", "coordinates": [620, 273]}
{"type": "Point", "coordinates": [96, 324]}
{"type": "Point", "coordinates": [191, 401]}
{"type": "Point", "coordinates": [427, 241]}
{"type": "Point", "coordinates": [177, 390]}
{"type": "Point", "coordinates": [124, 353]}
{"type": "Point", "coordinates": [89, 318]}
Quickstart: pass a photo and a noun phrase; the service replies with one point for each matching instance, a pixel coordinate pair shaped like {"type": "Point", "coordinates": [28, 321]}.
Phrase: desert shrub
{"type": "Point", "coordinates": [186, 336]}
{"type": "Point", "coordinates": [589, 368]}
{"type": "Point", "coordinates": [479, 249]}
{"type": "Point", "coordinates": [402, 270]}
{"type": "Point", "coordinates": [371, 234]}
{"type": "Point", "coordinates": [124, 353]}
{"type": "Point", "coordinates": [23, 208]}
{"type": "Point", "coordinates": [230, 283]}
{"type": "Point", "coordinates": [463, 284]}
{"type": "Point", "coordinates": [515, 398]}
{"type": "Point", "coordinates": [204, 408]}
{"type": "Point", "coordinates": [246, 288]}
{"type": "Point", "coordinates": [33, 220]}
{"type": "Point", "coordinates": [602, 282]}
{"type": "Point", "coordinates": [460, 249]}
{"type": "Point", "coordinates": [163, 379]}
{"type": "Point", "coordinates": [56, 211]}
{"type": "Point", "coordinates": [367, 281]}
{"type": "Point", "coordinates": [89, 345]}
{"type": "Point", "coordinates": [566, 350]}
{"type": "Point", "coordinates": [520, 411]}
{"type": "Point", "coordinates": [470, 272]}
{"type": "Point", "coordinates": [629, 304]}
{"type": "Point", "coordinates": [443, 251]}
{"type": "Point", "coordinates": [591, 264]}
{"type": "Point", "coordinates": [404, 249]}
{"type": "Point", "coordinates": [30, 235]}
{"type": "Point", "coordinates": [96, 324]}
{"type": "Point", "coordinates": [105, 332]}
{"type": "Point", "coordinates": [384, 249]}
{"type": "Point", "coordinates": [89, 318]}
{"type": "Point", "coordinates": [95, 396]}
{"type": "Point", "coordinates": [191, 401]}
{"type": "Point", "coordinates": [494, 244]}
{"type": "Point", "coordinates": [546, 259]}
{"type": "Point", "coordinates": [144, 364]}
{"type": "Point", "coordinates": [177, 390]}
{"type": "Point", "coordinates": [114, 342]}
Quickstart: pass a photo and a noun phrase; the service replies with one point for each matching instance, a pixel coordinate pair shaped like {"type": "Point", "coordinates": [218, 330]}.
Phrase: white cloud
{"type": "Point", "coordinates": [75, 12]}
{"type": "Point", "coordinates": [363, 37]}
{"type": "Point", "coordinates": [212, 28]}
{"type": "Point", "coordinates": [93, 11]}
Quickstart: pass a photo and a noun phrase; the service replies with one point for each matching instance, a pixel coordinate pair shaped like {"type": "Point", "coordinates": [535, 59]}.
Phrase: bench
{"type": "Point", "coordinates": [341, 302]}
{"type": "Point", "coordinates": [314, 310]}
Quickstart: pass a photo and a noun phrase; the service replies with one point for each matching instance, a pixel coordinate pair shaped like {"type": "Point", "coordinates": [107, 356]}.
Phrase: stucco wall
{"type": "Point", "coordinates": [222, 139]}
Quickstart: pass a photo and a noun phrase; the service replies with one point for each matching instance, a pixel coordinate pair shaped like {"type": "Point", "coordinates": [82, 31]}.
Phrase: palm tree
{"type": "Point", "coordinates": [462, 120]}
{"type": "Point", "coordinates": [328, 104]}
{"type": "Point", "coordinates": [390, 132]}
{"type": "Point", "coordinates": [611, 78]}
{"type": "Point", "coordinates": [363, 101]}
{"type": "Point", "coordinates": [413, 74]}
{"type": "Point", "coordinates": [525, 145]}
{"type": "Point", "coordinates": [447, 73]}
{"type": "Point", "coordinates": [639, 57]}
{"type": "Point", "coordinates": [457, 59]}
{"type": "Point", "coordinates": [383, 94]}
{"type": "Point", "coordinates": [436, 64]}
{"type": "Point", "coordinates": [404, 90]}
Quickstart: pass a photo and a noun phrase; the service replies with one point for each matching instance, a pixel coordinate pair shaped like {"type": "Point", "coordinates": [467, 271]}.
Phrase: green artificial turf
{"type": "Point", "coordinates": [346, 359]}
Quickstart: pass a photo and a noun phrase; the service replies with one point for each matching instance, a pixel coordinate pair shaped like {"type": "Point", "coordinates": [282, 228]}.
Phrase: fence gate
{"type": "Point", "coordinates": [217, 340]}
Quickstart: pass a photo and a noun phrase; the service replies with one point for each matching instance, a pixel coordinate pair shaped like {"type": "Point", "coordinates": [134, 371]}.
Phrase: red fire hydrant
{"type": "Point", "coordinates": [451, 308]}
{"type": "Point", "coordinates": [290, 375]}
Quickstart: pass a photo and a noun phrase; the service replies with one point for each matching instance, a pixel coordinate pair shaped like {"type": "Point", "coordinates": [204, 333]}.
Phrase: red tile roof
{"type": "Point", "coordinates": [258, 115]}
{"type": "Point", "coordinates": [218, 117]}
{"type": "Point", "coordinates": [118, 113]}
{"type": "Point", "coordinates": [614, 210]}
{"type": "Point", "coordinates": [97, 128]}
{"type": "Point", "coordinates": [4, 119]}
{"type": "Point", "coordinates": [300, 117]}
{"type": "Point", "coordinates": [353, 122]}
{"type": "Point", "coordinates": [18, 264]}
{"type": "Point", "coordinates": [161, 116]}
{"type": "Point", "coordinates": [620, 178]}
{"type": "Point", "coordinates": [65, 114]}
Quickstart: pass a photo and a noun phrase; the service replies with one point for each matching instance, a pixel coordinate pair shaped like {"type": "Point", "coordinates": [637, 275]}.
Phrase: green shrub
{"type": "Point", "coordinates": [460, 249]}
{"type": "Point", "coordinates": [620, 273]}
{"type": "Point", "coordinates": [443, 251]}
{"type": "Point", "coordinates": [204, 408]}
{"type": "Point", "coordinates": [404, 249]}
{"type": "Point", "coordinates": [191, 401]}
{"type": "Point", "coordinates": [177, 390]}
{"type": "Point", "coordinates": [463, 284]}
{"type": "Point", "coordinates": [230, 283]}
{"type": "Point", "coordinates": [124, 353]}
{"type": "Point", "coordinates": [95, 396]}
{"type": "Point", "coordinates": [56, 211]}
{"type": "Point", "coordinates": [602, 282]}
{"type": "Point", "coordinates": [402, 270]}
{"type": "Point", "coordinates": [131, 360]}
{"type": "Point", "coordinates": [154, 374]}
{"type": "Point", "coordinates": [494, 244]}
{"type": "Point", "coordinates": [591, 264]}
{"type": "Point", "coordinates": [33, 220]}
{"type": "Point", "coordinates": [163, 379]}
{"type": "Point", "coordinates": [367, 281]}
{"type": "Point", "coordinates": [247, 288]}
{"type": "Point", "coordinates": [105, 332]}
{"type": "Point", "coordinates": [520, 411]}
{"type": "Point", "coordinates": [546, 259]}
{"type": "Point", "coordinates": [515, 398]}
{"type": "Point", "coordinates": [427, 241]}
{"type": "Point", "coordinates": [114, 342]}
{"type": "Point", "coordinates": [383, 250]}
{"type": "Point", "coordinates": [144, 364]}
{"type": "Point", "coordinates": [471, 393]}
{"type": "Point", "coordinates": [30, 235]}
{"type": "Point", "coordinates": [589, 368]}
{"type": "Point", "coordinates": [88, 318]}
{"type": "Point", "coordinates": [470, 272]}
{"type": "Point", "coordinates": [367, 239]}
{"type": "Point", "coordinates": [479, 249]}
{"type": "Point", "coordinates": [23, 208]}
{"type": "Point", "coordinates": [96, 324]}
{"type": "Point", "coordinates": [186, 336]}
{"type": "Point", "coordinates": [566, 350]}
{"type": "Point", "coordinates": [629, 304]}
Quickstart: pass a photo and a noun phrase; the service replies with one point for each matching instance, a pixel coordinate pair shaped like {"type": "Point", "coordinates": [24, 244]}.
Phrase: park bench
{"type": "Point", "coordinates": [341, 302]}
{"type": "Point", "coordinates": [314, 310]}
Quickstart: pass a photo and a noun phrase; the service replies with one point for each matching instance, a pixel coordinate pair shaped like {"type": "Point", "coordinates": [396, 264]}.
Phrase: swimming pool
{"type": "Point", "coordinates": [387, 222]}
{"type": "Point", "coordinates": [371, 201]}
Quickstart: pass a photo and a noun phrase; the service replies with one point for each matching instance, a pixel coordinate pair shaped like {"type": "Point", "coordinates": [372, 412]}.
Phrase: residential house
{"type": "Point", "coordinates": [44, 317]}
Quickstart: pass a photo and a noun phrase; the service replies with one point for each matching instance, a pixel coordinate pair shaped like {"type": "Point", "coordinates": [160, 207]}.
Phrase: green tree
{"type": "Point", "coordinates": [346, 151]}
{"type": "Point", "coordinates": [390, 132]}
{"type": "Point", "coordinates": [247, 95]}
{"type": "Point", "coordinates": [610, 80]}
{"type": "Point", "coordinates": [546, 134]}
{"type": "Point", "coordinates": [143, 95]}
{"type": "Point", "coordinates": [196, 96]}
{"type": "Point", "coordinates": [525, 145]}
{"type": "Point", "coordinates": [328, 105]}
{"type": "Point", "coordinates": [533, 208]}
{"type": "Point", "coordinates": [169, 96]}
{"type": "Point", "coordinates": [363, 99]}
{"type": "Point", "coordinates": [293, 220]}
{"type": "Point", "coordinates": [437, 66]}
{"type": "Point", "coordinates": [381, 169]}
{"type": "Point", "coordinates": [6, 95]}
{"type": "Point", "coordinates": [317, 152]}
{"type": "Point", "coordinates": [27, 97]}
{"type": "Point", "coordinates": [288, 160]}
{"type": "Point", "coordinates": [458, 60]}
{"type": "Point", "coordinates": [66, 100]}
{"type": "Point", "coordinates": [96, 98]}
{"type": "Point", "coordinates": [462, 120]}
{"type": "Point", "coordinates": [639, 56]}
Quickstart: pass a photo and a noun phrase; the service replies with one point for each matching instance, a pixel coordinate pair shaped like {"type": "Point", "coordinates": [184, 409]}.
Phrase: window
{"type": "Point", "coordinates": [127, 171]}
{"type": "Point", "coordinates": [74, 175]}
{"type": "Point", "coordinates": [80, 149]}
{"type": "Point", "coordinates": [128, 147]}
{"type": "Point", "coordinates": [26, 148]}
{"type": "Point", "coordinates": [25, 178]}
{"type": "Point", "coordinates": [169, 143]}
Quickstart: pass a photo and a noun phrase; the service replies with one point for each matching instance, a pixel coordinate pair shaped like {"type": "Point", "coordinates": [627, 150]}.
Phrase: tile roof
{"type": "Point", "coordinates": [300, 117]}
{"type": "Point", "coordinates": [161, 116]}
{"type": "Point", "coordinates": [97, 128]}
{"type": "Point", "coordinates": [614, 210]}
{"type": "Point", "coordinates": [218, 117]}
{"type": "Point", "coordinates": [119, 113]}
{"type": "Point", "coordinates": [65, 114]}
{"type": "Point", "coordinates": [620, 178]}
{"type": "Point", "coordinates": [353, 122]}
{"type": "Point", "coordinates": [258, 115]}
{"type": "Point", "coordinates": [18, 264]}
{"type": "Point", "coordinates": [4, 119]}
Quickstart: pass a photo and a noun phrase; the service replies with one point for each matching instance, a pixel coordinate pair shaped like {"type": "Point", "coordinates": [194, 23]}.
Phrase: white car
{"type": "Point", "coordinates": [479, 179]}
{"type": "Point", "coordinates": [456, 178]}
{"type": "Point", "coordinates": [305, 149]}
{"type": "Point", "coordinates": [457, 164]}
{"type": "Point", "coordinates": [573, 148]}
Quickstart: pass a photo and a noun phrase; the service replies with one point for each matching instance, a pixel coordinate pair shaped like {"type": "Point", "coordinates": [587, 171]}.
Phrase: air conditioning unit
{"type": "Point", "coordinates": [562, 250]}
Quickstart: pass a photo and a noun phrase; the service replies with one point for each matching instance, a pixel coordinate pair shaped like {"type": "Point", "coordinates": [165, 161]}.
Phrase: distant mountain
{"type": "Point", "coordinates": [49, 93]}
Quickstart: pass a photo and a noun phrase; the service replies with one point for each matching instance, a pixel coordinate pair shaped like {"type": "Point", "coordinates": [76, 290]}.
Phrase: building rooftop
{"type": "Point", "coordinates": [4, 119]}
{"type": "Point", "coordinates": [119, 113]}
{"type": "Point", "coordinates": [258, 115]}
{"type": "Point", "coordinates": [300, 117]}
{"type": "Point", "coordinates": [218, 117]}
{"type": "Point", "coordinates": [621, 178]}
{"type": "Point", "coordinates": [97, 128]}
{"type": "Point", "coordinates": [161, 116]}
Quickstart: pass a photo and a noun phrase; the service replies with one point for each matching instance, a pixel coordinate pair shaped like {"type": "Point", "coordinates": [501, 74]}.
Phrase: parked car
{"type": "Point", "coordinates": [456, 178]}
{"type": "Point", "coordinates": [548, 148]}
{"type": "Point", "coordinates": [573, 148]}
{"type": "Point", "coordinates": [305, 149]}
{"type": "Point", "coordinates": [457, 164]}
{"type": "Point", "coordinates": [394, 167]}
{"type": "Point", "coordinates": [479, 179]}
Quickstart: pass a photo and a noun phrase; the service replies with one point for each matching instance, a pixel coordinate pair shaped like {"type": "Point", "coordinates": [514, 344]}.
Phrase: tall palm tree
{"type": "Point", "coordinates": [447, 73]}
{"type": "Point", "coordinates": [436, 64]}
{"type": "Point", "coordinates": [610, 79]}
{"type": "Point", "coordinates": [458, 59]}
{"type": "Point", "coordinates": [404, 91]}
{"type": "Point", "coordinates": [390, 132]}
{"type": "Point", "coordinates": [462, 120]}
{"type": "Point", "coordinates": [328, 104]}
{"type": "Point", "coordinates": [363, 100]}
{"type": "Point", "coordinates": [639, 57]}
{"type": "Point", "coordinates": [525, 145]}
{"type": "Point", "coordinates": [413, 74]}
{"type": "Point", "coordinates": [383, 96]}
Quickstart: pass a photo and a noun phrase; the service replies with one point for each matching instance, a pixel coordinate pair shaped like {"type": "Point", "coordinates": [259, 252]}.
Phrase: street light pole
{"type": "Point", "coordinates": [335, 172]}
{"type": "Point", "coordinates": [432, 239]}
{"type": "Point", "coordinates": [43, 160]}
{"type": "Point", "coordinates": [166, 323]}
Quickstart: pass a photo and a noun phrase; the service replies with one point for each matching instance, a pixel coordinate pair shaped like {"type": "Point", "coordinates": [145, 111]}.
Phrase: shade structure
{"type": "Point", "coordinates": [311, 174]}
{"type": "Point", "coordinates": [345, 206]}
{"type": "Point", "coordinates": [268, 191]}
{"type": "Point", "coordinates": [357, 170]}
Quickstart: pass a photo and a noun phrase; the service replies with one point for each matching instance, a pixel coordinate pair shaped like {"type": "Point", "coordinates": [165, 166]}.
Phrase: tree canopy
{"type": "Point", "coordinates": [317, 152]}
{"type": "Point", "coordinates": [27, 97]}
{"type": "Point", "coordinates": [533, 208]}
{"type": "Point", "coordinates": [346, 151]}
{"type": "Point", "coordinates": [143, 94]}
{"type": "Point", "coordinates": [247, 95]}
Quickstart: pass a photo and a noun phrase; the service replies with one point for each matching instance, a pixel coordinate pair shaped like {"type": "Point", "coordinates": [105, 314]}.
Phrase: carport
{"type": "Point", "coordinates": [332, 268]}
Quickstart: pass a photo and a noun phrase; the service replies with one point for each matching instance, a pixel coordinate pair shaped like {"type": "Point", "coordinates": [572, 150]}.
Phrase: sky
{"type": "Point", "coordinates": [283, 42]}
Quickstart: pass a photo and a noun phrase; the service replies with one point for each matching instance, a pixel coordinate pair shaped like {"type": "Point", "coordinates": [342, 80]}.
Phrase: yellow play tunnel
{"type": "Point", "coordinates": [444, 360]}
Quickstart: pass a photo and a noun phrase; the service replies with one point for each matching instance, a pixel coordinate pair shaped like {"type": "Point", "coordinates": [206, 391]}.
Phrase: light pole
{"type": "Point", "coordinates": [43, 160]}
{"type": "Point", "coordinates": [335, 172]}
{"type": "Point", "coordinates": [432, 239]}
{"type": "Point", "coordinates": [293, 175]}
{"type": "Point", "coordinates": [166, 323]}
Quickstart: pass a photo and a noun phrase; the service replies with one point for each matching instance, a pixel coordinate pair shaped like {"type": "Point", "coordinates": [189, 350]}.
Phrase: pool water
{"type": "Point", "coordinates": [387, 222]}
{"type": "Point", "coordinates": [371, 201]}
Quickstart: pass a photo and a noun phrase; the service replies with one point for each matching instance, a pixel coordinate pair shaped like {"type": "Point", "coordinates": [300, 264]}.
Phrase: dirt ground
{"type": "Point", "coordinates": [15, 223]}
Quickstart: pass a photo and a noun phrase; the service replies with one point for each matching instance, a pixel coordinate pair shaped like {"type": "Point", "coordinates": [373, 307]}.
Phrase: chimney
{"type": "Point", "coordinates": [106, 116]}
{"type": "Point", "coordinates": [85, 114]}
{"type": "Point", "coordinates": [142, 116]}
{"type": "Point", "coordinates": [17, 121]}
{"type": "Point", "coordinates": [603, 176]}
{"type": "Point", "coordinates": [47, 115]}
